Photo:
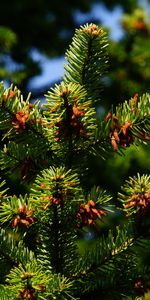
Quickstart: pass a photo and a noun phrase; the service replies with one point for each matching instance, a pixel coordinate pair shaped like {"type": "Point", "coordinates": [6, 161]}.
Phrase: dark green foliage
{"type": "Point", "coordinates": [46, 203]}
{"type": "Point", "coordinates": [45, 26]}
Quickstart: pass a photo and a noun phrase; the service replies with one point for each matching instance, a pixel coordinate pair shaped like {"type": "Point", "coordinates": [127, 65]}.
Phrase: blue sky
{"type": "Point", "coordinates": [53, 69]}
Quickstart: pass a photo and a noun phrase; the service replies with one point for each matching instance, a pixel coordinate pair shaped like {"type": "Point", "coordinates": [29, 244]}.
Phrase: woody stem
{"type": "Point", "coordinates": [69, 155]}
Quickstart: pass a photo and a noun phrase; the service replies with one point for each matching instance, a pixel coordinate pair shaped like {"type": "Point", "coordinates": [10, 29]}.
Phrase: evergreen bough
{"type": "Point", "coordinates": [45, 203]}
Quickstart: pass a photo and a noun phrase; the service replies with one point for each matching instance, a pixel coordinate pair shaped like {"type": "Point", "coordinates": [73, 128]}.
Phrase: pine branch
{"type": "Point", "coordinates": [55, 197]}
{"type": "Point", "coordinates": [3, 189]}
{"type": "Point", "coordinates": [87, 59]}
{"type": "Point", "coordinates": [14, 251]}
{"type": "Point", "coordinates": [33, 282]}
{"type": "Point", "coordinates": [136, 195]}
{"type": "Point", "coordinates": [20, 120]}
{"type": "Point", "coordinates": [25, 160]}
{"type": "Point", "coordinates": [130, 123]}
{"type": "Point", "coordinates": [27, 276]}
{"type": "Point", "coordinates": [104, 250]}
{"type": "Point", "coordinates": [98, 268]}
{"type": "Point", "coordinates": [70, 120]}
{"type": "Point", "coordinates": [22, 136]}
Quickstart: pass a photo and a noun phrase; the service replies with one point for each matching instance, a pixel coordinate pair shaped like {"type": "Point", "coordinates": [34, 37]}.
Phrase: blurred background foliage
{"type": "Point", "coordinates": [47, 27]}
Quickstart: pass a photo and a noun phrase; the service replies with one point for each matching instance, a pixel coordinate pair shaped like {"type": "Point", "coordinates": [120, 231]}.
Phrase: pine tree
{"type": "Point", "coordinates": [46, 204]}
